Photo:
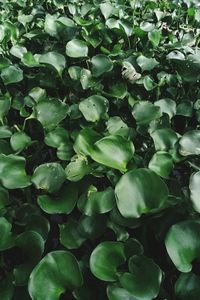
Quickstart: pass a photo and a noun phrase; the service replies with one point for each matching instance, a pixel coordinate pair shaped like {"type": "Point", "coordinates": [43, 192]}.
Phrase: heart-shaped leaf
{"type": "Point", "coordinates": [105, 259]}
{"type": "Point", "coordinates": [142, 287]}
{"type": "Point", "coordinates": [64, 202]}
{"type": "Point", "coordinates": [63, 274]}
{"type": "Point", "coordinates": [183, 244]}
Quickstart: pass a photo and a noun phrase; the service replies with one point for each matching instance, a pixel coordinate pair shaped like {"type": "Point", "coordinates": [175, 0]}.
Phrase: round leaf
{"type": "Point", "coordinates": [139, 192]}
{"type": "Point", "coordinates": [54, 59]}
{"type": "Point", "coordinates": [19, 141]}
{"type": "Point", "coordinates": [101, 64]}
{"type": "Point", "coordinates": [11, 74]}
{"type": "Point", "coordinates": [12, 172]}
{"type": "Point", "coordinates": [161, 163]}
{"type": "Point", "coordinates": [94, 108]}
{"type": "Point", "coordinates": [113, 151]}
{"type": "Point", "coordinates": [105, 259]}
{"type": "Point", "coordinates": [190, 143]}
{"type": "Point", "coordinates": [183, 244]}
{"type": "Point", "coordinates": [64, 202]}
{"type": "Point", "coordinates": [56, 272]}
{"type": "Point", "coordinates": [195, 190]}
{"type": "Point", "coordinates": [48, 177]}
{"type": "Point", "coordinates": [76, 48]}
{"type": "Point", "coordinates": [188, 287]}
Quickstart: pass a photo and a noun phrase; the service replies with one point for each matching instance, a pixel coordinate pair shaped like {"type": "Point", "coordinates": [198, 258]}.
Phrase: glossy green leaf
{"type": "Point", "coordinates": [115, 292]}
{"type": "Point", "coordinates": [4, 105]}
{"type": "Point", "coordinates": [113, 151]}
{"type": "Point", "coordinates": [77, 168]}
{"type": "Point", "coordinates": [155, 37]}
{"type": "Point", "coordinates": [12, 172]}
{"type": "Point", "coordinates": [48, 177]}
{"type": "Point", "coordinates": [164, 139]}
{"type": "Point", "coordinates": [144, 112]}
{"type": "Point", "coordinates": [85, 140]}
{"type": "Point", "coordinates": [94, 202]}
{"type": "Point", "coordinates": [101, 64]}
{"type": "Point", "coordinates": [147, 64]}
{"type": "Point", "coordinates": [94, 108]}
{"type": "Point", "coordinates": [195, 190]}
{"type": "Point", "coordinates": [142, 287]}
{"type": "Point", "coordinates": [183, 244]}
{"type": "Point", "coordinates": [116, 126]}
{"type": "Point", "coordinates": [63, 274]}
{"type": "Point", "coordinates": [50, 113]}
{"type": "Point", "coordinates": [55, 60]}
{"type": "Point", "coordinates": [132, 193]}
{"type": "Point", "coordinates": [70, 236]}
{"type": "Point", "coordinates": [11, 74]}
{"type": "Point", "coordinates": [161, 163]}
{"type": "Point", "coordinates": [105, 259]}
{"type": "Point", "coordinates": [63, 202]}
{"type": "Point", "coordinates": [188, 287]}
{"type": "Point", "coordinates": [167, 106]}
{"type": "Point", "coordinates": [7, 238]}
{"type": "Point", "coordinates": [19, 141]}
{"type": "Point", "coordinates": [190, 143]}
{"type": "Point", "coordinates": [76, 48]}
{"type": "Point", "coordinates": [4, 197]}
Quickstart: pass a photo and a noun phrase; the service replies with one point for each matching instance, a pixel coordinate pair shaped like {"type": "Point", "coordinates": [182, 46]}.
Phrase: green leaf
{"type": "Point", "coordinates": [105, 259]}
{"type": "Point", "coordinates": [190, 143]}
{"type": "Point", "coordinates": [164, 139]}
{"type": "Point", "coordinates": [4, 197]}
{"type": "Point", "coordinates": [142, 287]}
{"type": "Point", "coordinates": [106, 9]}
{"type": "Point", "coordinates": [94, 202]}
{"type": "Point", "coordinates": [7, 238]}
{"type": "Point", "coordinates": [70, 236]}
{"type": "Point", "coordinates": [183, 244]}
{"type": "Point", "coordinates": [113, 151]}
{"type": "Point", "coordinates": [161, 163]}
{"type": "Point", "coordinates": [55, 60]}
{"type": "Point", "coordinates": [167, 106]}
{"type": "Point", "coordinates": [92, 227]}
{"type": "Point", "coordinates": [48, 177]}
{"type": "Point", "coordinates": [18, 51]}
{"type": "Point", "coordinates": [144, 112]}
{"type": "Point", "coordinates": [115, 292]}
{"type": "Point", "coordinates": [154, 37]}
{"type": "Point", "coordinates": [94, 108]}
{"type": "Point", "coordinates": [50, 25]}
{"type": "Point", "coordinates": [118, 90]}
{"type": "Point", "coordinates": [19, 141]}
{"type": "Point", "coordinates": [195, 190]}
{"type": "Point", "coordinates": [50, 113]}
{"type": "Point", "coordinates": [56, 272]}
{"type": "Point", "coordinates": [12, 172]}
{"type": "Point", "coordinates": [187, 287]}
{"type": "Point", "coordinates": [5, 103]}
{"type": "Point", "coordinates": [31, 245]}
{"type": "Point", "coordinates": [85, 140]}
{"type": "Point", "coordinates": [101, 64]}
{"type": "Point", "coordinates": [116, 126]}
{"type": "Point", "coordinates": [76, 48]}
{"type": "Point", "coordinates": [77, 168]}
{"type": "Point", "coordinates": [147, 64]}
{"type": "Point", "coordinates": [11, 74]}
{"type": "Point", "coordinates": [63, 203]}
{"type": "Point", "coordinates": [132, 193]}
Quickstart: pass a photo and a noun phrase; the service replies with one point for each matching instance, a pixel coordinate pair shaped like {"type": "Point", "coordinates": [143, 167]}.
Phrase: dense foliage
{"type": "Point", "coordinates": [99, 149]}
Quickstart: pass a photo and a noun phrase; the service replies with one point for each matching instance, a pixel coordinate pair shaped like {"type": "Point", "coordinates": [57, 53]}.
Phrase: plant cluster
{"type": "Point", "coordinates": [99, 149]}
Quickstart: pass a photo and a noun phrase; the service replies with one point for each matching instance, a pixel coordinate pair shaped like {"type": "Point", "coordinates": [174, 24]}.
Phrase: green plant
{"type": "Point", "coordinates": [99, 150]}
